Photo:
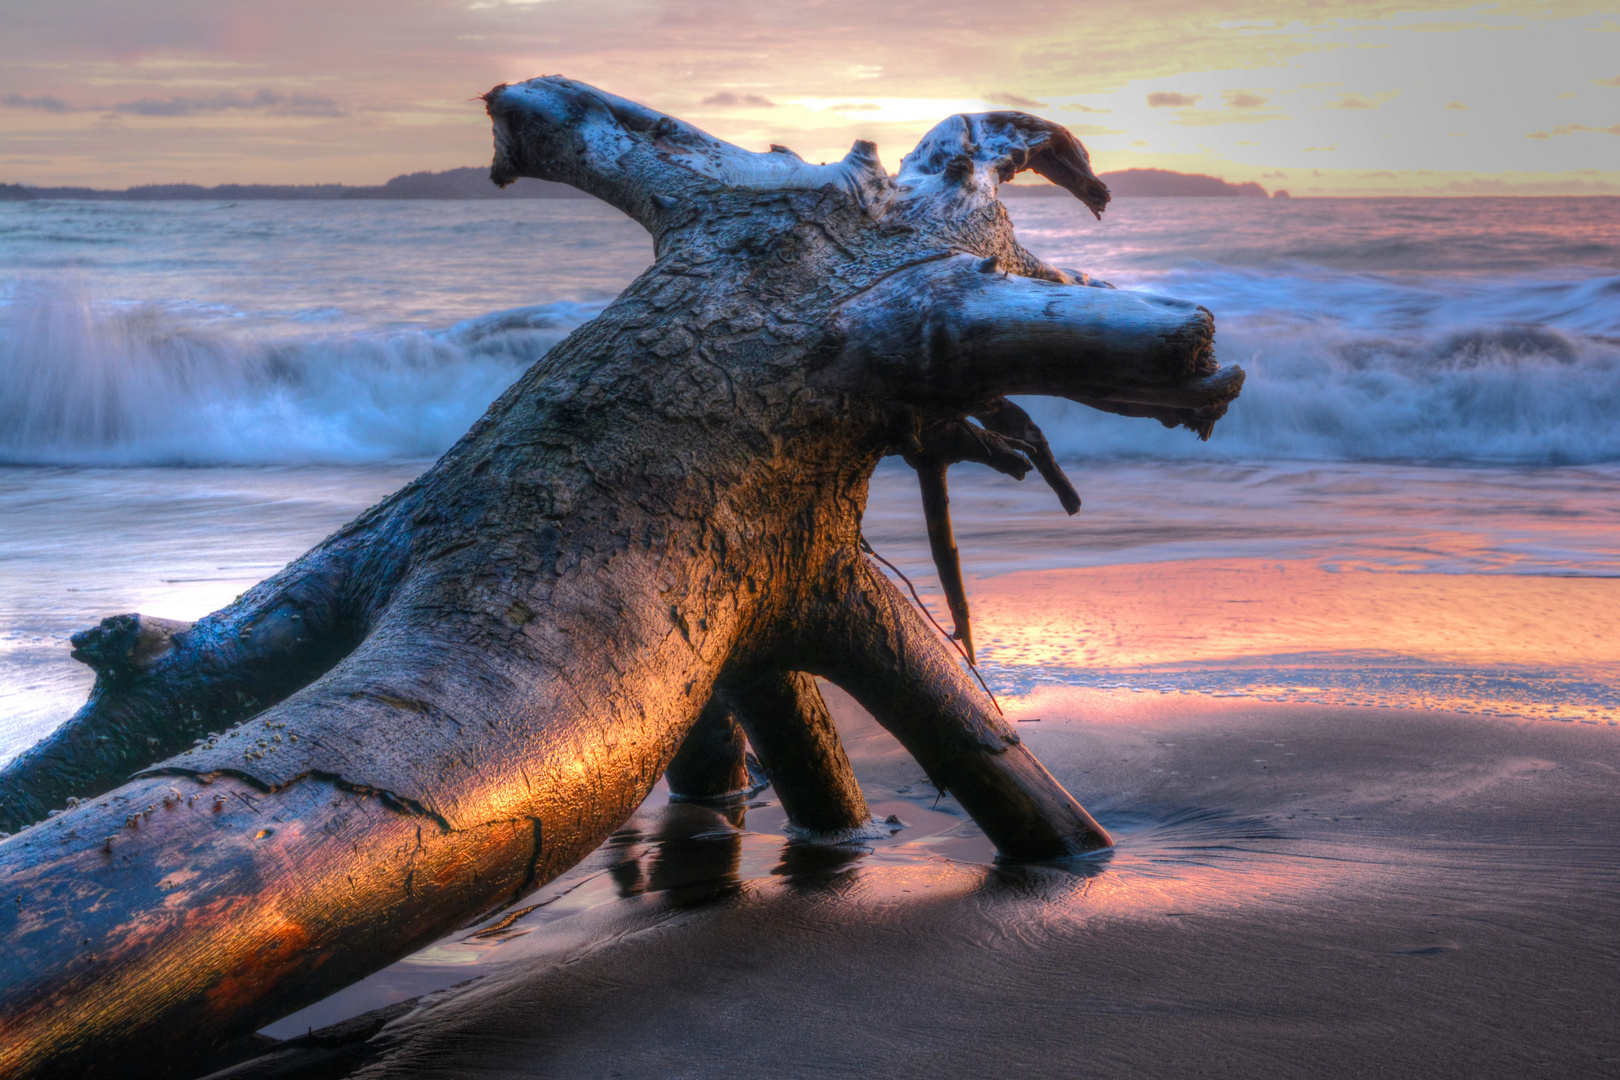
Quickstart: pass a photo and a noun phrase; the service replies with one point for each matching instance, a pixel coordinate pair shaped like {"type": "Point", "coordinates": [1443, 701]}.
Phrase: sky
{"type": "Point", "coordinates": [1318, 97]}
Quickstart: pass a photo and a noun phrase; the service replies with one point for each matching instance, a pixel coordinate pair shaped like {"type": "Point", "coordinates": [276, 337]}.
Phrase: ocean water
{"type": "Point", "coordinates": [192, 394]}
{"type": "Point", "coordinates": [1414, 506]}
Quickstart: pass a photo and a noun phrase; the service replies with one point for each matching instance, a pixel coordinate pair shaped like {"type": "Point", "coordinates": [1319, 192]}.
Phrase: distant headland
{"type": "Point", "coordinates": [473, 183]}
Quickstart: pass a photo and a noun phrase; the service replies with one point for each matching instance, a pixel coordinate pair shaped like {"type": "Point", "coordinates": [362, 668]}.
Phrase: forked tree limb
{"type": "Point", "coordinates": [964, 159]}
{"type": "Point", "coordinates": [1011, 422]}
{"type": "Point", "coordinates": [868, 640]}
{"type": "Point", "coordinates": [643, 161]}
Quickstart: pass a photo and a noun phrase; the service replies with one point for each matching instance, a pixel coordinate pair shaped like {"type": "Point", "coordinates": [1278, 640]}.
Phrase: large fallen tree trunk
{"type": "Point", "coordinates": [459, 695]}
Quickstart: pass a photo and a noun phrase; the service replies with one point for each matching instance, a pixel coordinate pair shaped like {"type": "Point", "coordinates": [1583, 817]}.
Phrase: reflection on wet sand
{"type": "Point", "coordinates": [1299, 631]}
{"type": "Point", "coordinates": [1489, 591]}
{"type": "Point", "coordinates": [691, 859]}
{"type": "Point", "coordinates": [1296, 891]}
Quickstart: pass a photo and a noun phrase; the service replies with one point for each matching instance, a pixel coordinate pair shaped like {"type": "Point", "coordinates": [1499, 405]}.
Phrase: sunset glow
{"type": "Point", "coordinates": [1329, 98]}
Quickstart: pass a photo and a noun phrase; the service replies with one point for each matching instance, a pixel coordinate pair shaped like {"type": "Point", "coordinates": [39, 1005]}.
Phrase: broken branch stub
{"type": "Point", "coordinates": [496, 664]}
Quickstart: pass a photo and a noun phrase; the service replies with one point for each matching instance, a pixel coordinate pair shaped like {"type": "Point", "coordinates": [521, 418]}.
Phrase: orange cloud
{"type": "Point", "coordinates": [1168, 99]}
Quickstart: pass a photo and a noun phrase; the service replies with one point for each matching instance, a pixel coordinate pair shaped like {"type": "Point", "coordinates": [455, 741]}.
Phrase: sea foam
{"type": "Point", "coordinates": [1341, 366]}
{"type": "Point", "coordinates": [85, 384]}
{"type": "Point", "coordinates": [1356, 366]}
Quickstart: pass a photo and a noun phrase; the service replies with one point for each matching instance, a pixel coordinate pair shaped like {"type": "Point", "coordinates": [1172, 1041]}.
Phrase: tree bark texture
{"type": "Point", "coordinates": [655, 530]}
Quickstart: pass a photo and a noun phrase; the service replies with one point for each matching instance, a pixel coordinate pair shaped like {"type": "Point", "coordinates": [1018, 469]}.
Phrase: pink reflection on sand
{"type": "Point", "coordinates": [1198, 611]}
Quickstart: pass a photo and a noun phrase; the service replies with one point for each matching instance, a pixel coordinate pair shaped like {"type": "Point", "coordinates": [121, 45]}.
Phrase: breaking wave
{"type": "Point", "coordinates": [1350, 367]}
{"type": "Point", "coordinates": [1342, 366]}
{"type": "Point", "coordinates": [83, 385]}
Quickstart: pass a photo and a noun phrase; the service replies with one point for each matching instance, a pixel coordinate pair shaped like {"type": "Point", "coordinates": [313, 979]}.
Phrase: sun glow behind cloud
{"type": "Point", "coordinates": [1354, 98]}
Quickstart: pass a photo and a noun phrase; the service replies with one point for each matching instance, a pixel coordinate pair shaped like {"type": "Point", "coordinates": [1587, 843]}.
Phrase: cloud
{"type": "Point", "coordinates": [1169, 99]}
{"type": "Point", "coordinates": [1570, 129]}
{"type": "Point", "coordinates": [1206, 118]}
{"type": "Point", "coordinates": [173, 58]}
{"type": "Point", "coordinates": [265, 100]}
{"type": "Point", "coordinates": [1350, 101]}
{"type": "Point", "coordinates": [1240, 109]}
{"type": "Point", "coordinates": [262, 100]}
{"type": "Point", "coordinates": [727, 99]}
{"type": "Point", "coordinates": [855, 106]}
{"type": "Point", "coordinates": [1456, 106]}
{"type": "Point", "coordinates": [1016, 102]}
{"type": "Point", "coordinates": [43, 102]}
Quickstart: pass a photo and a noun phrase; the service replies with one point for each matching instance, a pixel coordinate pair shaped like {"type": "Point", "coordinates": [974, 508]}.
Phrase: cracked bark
{"type": "Point", "coordinates": [459, 695]}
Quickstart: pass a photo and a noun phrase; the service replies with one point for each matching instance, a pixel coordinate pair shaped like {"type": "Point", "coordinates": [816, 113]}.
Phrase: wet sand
{"type": "Point", "coordinates": [1301, 887]}
{"type": "Point", "coordinates": [1297, 890]}
{"type": "Point", "coordinates": [1535, 646]}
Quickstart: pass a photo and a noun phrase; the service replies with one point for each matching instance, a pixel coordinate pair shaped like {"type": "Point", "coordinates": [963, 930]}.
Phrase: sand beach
{"type": "Point", "coordinates": [1297, 890]}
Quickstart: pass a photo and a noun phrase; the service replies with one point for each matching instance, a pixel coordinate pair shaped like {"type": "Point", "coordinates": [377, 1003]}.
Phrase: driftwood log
{"type": "Point", "coordinates": [652, 538]}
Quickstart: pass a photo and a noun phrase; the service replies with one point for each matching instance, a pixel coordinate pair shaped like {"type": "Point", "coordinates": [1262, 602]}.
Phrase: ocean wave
{"type": "Point", "coordinates": [1369, 369]}
{"type": "Point", "coordinates": [87, 385]}
{"type": "Point", "coordinates": [1341, 367]}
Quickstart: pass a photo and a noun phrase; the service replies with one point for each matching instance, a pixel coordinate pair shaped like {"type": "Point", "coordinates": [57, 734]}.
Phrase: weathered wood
{"type": "Point", "coordinates": [789, 726]}
{"type": "Point", "coordinates": [936, 502]}
{"type": "Point", "coordinates": [1012, 423]}
{"type": "Point", "coordinates": [868, 640]}
{"type": "Point", "coordinates": [459, 695]}
{"type": "Point", "coordinates": [712, 764]}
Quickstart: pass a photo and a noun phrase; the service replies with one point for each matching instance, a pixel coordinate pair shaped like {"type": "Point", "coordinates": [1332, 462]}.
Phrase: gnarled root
{"type": "Point", "coordinates": [712, 764]}
{"type": "Point", "coordinates": [792, 732]}
{"type": "Point", "coordinates": [162, 685]}
{"type": "Point", "coordinates": [868, 640]}
{"type": "Point", "coordinates": [788, 725]}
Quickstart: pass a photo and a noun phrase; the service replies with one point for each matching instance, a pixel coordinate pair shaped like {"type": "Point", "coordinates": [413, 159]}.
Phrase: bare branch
{"type": "Point", "coordinates": [936, 501]}
{"type": "Point", "coordinates": [964, 159]}
{"type": "Point", "coordinates": [1008, 420]}
{"type": "Point", "coordinates": [952, 334]}
{"type": "Point", "coordinates": [641, 160]}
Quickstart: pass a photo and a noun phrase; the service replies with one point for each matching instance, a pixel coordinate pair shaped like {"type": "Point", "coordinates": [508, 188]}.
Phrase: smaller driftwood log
{"type": "Point", "coordinates": [651, 539]}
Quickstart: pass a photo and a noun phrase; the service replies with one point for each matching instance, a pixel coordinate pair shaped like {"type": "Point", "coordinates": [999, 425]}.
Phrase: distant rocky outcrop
{"type": "Point", "coordinates": [473, 183]}
{"type": "Point", "coordinates": [1159, 183]}
{"type": "Point", "coordinates": [468, 183]}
